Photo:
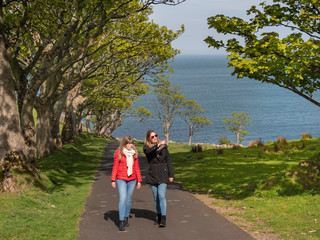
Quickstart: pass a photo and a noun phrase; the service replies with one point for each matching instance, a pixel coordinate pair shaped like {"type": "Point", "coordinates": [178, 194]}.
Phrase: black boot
{"type": "Point", "coordinates": [159, 218]}
{"type": "Point", "coordinates": [126, 222]}
{"type": "Point", "coordinates": [162, 221]}
{"type": "Point", "coordinates": [121, 226]}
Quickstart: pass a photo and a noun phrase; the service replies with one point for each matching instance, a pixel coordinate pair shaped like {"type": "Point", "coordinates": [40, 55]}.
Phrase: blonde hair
{"type": "Point", "coordinates": [124, 141]}
{"type": "Point", "coordinates": [147, 139]}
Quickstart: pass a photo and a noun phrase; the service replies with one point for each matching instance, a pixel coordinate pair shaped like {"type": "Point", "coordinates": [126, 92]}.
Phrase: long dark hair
{"type": "Point", "coordinates": [147, 139]}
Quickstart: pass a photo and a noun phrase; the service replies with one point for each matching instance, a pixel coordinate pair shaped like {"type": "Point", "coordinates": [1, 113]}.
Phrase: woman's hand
{"type": "Point", "coordinates": [113, 184]}
{"type": "Point", "coordinates": [139, 185]}
{"type": "Point", "coordinates": [161, 143]}
{"type": "Point", "coordinates": [170, 179]}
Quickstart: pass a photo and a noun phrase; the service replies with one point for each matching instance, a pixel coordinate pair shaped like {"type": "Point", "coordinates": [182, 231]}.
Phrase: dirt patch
{"type": "Point", "coordinates": [228, 212]}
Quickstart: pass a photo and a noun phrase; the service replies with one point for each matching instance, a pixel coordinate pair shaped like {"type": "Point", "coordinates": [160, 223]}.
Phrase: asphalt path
{"type": "Point", "coordinates": [187, 217]}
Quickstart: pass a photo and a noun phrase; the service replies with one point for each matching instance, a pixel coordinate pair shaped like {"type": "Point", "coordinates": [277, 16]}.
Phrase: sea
{"type": "Point", "coordinates": [274, 111]}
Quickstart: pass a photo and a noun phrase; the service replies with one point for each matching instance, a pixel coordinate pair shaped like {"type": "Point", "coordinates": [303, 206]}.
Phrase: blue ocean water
{"type": "Point", "coordinates": [273, 111]}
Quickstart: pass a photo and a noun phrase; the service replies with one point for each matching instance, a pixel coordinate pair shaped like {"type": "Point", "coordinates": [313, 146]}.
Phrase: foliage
{"type": "Point", "coordinates": [190, 113]}
{"type": "Point", "coordinates": [223, 140]}
{"type": "Point", "coordinates": [291, 62]}
{"type": "Point", "coordinates": [166, 107]}
{"type": "Point", "coordinates": [236, 124]}
{"type": "Point", "coordinates": [102, 52]}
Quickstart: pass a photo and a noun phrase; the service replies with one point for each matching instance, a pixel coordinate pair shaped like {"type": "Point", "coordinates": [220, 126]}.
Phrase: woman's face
{"type": "Point", "coordinates": [153, 138]}
{"type": "Point", "coordinates": [129, 146]}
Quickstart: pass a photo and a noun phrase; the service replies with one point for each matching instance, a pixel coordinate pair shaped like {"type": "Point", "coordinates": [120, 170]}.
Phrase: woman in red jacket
{"type": "Point", "coordinates": [125, 173]}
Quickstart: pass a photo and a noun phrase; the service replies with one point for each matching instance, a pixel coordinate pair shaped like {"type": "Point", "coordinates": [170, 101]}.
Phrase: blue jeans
{"type": "Point", "coordinates": [125, 189]}
{"type": "Point", "coordinates": [159, 195]}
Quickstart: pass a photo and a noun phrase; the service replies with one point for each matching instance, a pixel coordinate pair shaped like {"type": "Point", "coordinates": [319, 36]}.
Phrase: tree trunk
{"type": "Point", "coordinates": [45, 142]}
{"type": "Point", "coordinates": [238, 137]}
{"type": "Point", "coordinates": [190, 133]}
{"type": "Point", "coordinates": [12, 145]}
{"type": "Point", "coordinates": [114, 122]}
{"type": "Point", "coordinates": [166, 132]}
{"type": "Point", "coordinates": [58, 108]}
{"type": "Point", "coordinates": [28, 127]}
{"type": "Point", "coordinates": [70, 123]}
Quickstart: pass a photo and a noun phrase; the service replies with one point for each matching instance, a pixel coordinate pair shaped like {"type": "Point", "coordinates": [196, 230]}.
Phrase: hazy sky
{"type": "Point", "coordinates": [193, 14]}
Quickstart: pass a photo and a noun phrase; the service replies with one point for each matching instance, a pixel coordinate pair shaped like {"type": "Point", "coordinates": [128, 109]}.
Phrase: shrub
{"type": "Point", "coordinates": [306, 136]}
{"type": "Point", "coordinates": [265, 149]}
{"type": "Point", "coordinates": [219, 150]}
{"type": "Point", "coordinates": [196, 148]}
{"type": "Point", "coordinates": [223, 140]}
{"type": "Point", "coordinates": [282, 141]}
{"type": "Point", "coordinates": [275, 147]}
{"type": "Point", "coordinates": [295, 146]}
{"type": "Point", "coordinates": [255, 143]}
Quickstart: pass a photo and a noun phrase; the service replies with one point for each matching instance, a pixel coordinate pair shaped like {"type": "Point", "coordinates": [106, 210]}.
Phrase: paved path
{"type": "Point", "coordinates": [187, 217]}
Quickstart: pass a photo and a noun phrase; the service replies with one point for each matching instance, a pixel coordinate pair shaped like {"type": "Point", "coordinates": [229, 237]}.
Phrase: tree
{"type": "Point", "coordinates": [190, 114]}
{"type": "Point", "coordinates": [47, 49]}
{"type": "Point", "coordinates": [51, 47]}
{"type": "Point", "coordinates": [166, 106]}
{"type": "Point", "coordinates": [236, 124]}
{"type": "Point", "coordinates": [291, 62]}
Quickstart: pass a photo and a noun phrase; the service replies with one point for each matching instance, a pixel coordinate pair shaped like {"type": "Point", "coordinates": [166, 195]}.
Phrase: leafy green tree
{"type": "Point", "coordinates": [166, 107]}
{"type": "Point", "coordinates": [190, 114]}
{"type": "Point", "coordinates": [291, 62]}
{"type": "Point", "coordinates": [237, 124]}
{"type": "Point", "coordinates": [47, 49]}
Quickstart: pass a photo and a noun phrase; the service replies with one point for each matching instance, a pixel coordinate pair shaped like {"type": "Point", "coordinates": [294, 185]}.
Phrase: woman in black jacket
{"type": "Point", "coordinates": [159, 172]}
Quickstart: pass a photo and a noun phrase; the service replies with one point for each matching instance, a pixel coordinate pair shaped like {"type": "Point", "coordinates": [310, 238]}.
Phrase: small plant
{"type": "Point", "coordinates": [223, 140]}
{"type": "Point", "coordinates": [252, 143]}
{"type": "Point", "coordinates": [196, 148]}
{"type": "Point", "coordinates": [219, 151]}
{"type": "Point", "coordinates": [265, 149]}
{"type": "Point", "coordinates": [256, 142]}
{"type": "Point", "coordinates": [282, 141]}
{"type": "Point", "coordinates": [295, 146]}
{"type": "Point", "coordinates": [306, 136]}
{"type": "Point", "coordinates": [275, 147]}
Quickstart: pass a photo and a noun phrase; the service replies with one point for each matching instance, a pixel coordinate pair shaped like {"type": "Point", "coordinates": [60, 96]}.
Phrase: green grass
{"type": "Point", "coordinates": [266, 188]}
{"type": "Point", "coordinates": [53, 207]}
{"type": "Point", "coordinates": [270, 188]}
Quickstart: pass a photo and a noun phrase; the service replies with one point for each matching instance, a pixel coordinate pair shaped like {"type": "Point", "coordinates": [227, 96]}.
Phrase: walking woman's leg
{"type": "Point", "coordinates": [130, 189]}
{"type": "Point", "coordinates": [163, 203]}
{"type": "Point", "coordinates": [122, 188]}
{"type": "Point", "coordinates": [162, 198]}
{"type": "Point", "coordinates": [154, 188]}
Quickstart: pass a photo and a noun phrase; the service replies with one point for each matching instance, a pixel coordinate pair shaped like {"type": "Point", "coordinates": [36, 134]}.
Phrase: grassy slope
{"type": "Point", "coordinates": [265, 187]}
{"type": "Point", "coordinates": [52, 209]}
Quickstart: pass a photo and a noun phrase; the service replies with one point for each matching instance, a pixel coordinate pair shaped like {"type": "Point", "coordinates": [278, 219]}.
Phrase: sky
{"type": "Point", "coordinates": [193, 14]}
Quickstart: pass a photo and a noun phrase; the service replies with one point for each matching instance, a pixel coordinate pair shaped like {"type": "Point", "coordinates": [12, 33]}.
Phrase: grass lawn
{"type": "Point", "coordinates": [53, 207]}
{"type": "Point", "coordinates": [260, 188]}
{"type": "Point", "coordinates": [270, 189]}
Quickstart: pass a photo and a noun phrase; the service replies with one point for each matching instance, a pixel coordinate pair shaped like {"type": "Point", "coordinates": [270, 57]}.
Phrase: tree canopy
{"type": "Point", "coordinates": [74, 59]}
{"type": "Point", "coordinates": [257, 52]}
{"type": "Point", "coordinates": [190, 113]}
{"type": "Point", "coordinates": [236, 124]}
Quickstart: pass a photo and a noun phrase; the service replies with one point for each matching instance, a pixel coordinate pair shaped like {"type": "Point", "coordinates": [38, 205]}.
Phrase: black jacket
{"type": "Point", "coordinates": [159, 168]}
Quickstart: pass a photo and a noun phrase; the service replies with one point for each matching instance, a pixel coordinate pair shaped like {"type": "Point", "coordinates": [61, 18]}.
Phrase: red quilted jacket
{"type": "Point", "coordinates": [119, 170]}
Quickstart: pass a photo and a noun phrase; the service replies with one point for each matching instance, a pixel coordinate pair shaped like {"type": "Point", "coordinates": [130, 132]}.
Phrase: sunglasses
{"type": "Point", "coordinates": [152, 137]}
